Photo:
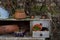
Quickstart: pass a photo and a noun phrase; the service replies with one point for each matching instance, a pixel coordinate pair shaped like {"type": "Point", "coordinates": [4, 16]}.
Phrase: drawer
{"type": "Point", "coordinates": [42, 34]}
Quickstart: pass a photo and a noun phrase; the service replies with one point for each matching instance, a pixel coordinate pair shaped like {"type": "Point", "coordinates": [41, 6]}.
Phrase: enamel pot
{"type": "Point", "coordinates": [3, 13]}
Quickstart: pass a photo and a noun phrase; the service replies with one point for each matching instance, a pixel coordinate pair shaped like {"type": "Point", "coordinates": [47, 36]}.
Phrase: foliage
{"type": "Point", "coordinates": [34, 9]}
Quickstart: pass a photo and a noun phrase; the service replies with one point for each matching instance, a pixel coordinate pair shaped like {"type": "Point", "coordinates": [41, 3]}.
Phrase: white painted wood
{"type": "Point", "coordinates": [45, 34]}
{"type": "Point", "coordinates": [18, 38]}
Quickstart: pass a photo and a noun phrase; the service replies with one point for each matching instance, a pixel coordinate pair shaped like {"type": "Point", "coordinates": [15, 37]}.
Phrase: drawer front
{"type": "Point", "coordinates": [42, 34]}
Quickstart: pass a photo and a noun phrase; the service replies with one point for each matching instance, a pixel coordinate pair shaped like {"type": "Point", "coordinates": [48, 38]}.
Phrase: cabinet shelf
{"type": "Point", "coordinates": [19, 38]}
{"type": "Point", "coordinates": [24, 19]}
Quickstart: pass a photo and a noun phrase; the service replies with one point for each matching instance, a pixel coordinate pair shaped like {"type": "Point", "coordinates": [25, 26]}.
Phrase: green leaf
{"type": "Point", "coordinates": [36, 28]}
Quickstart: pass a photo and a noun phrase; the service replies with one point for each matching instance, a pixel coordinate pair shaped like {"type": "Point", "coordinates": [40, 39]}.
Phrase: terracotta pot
{"type": "Point", "coordinates": [2, 30]}
{"type": "Point", "coordinates": [19, 14]}
{"type": "Point", "coordinates": [38, 26]}
{"type": "Point", "coordinates": [11, 28]}
{"type": "Point", "coordinates": [32, 17]}
{"type": "Point", "coordinates": [8, 29]}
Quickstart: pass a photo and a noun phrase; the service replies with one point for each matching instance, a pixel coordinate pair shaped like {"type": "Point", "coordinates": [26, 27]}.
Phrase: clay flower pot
{"type": "Point", "coordinates": [32, 17]}
{"type": "Point", "coordinates": [11, 28]}
{"type": "Point", "coordinates": [8, 29]}
{"type": "Point", "coordinates": [2, 30]}
{"type": "Point", "coordinates": [37, 27]}
{"type": "Point", "coordinates": [19, 14]}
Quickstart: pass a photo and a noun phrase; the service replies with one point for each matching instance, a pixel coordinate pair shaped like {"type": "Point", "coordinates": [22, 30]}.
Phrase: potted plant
{"type": "Point", "coordinates": [37, 27]}
{"type": "Point", "coordinates": [19, 14]}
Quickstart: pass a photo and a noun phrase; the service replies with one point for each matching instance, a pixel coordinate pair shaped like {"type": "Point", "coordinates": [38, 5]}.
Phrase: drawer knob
{"type": "Point", "coordinates": [41, 35]}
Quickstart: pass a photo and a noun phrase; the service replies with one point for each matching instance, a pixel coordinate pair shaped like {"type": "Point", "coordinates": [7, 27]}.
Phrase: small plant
{"type": "Point", "coordinates": [37, 27]}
